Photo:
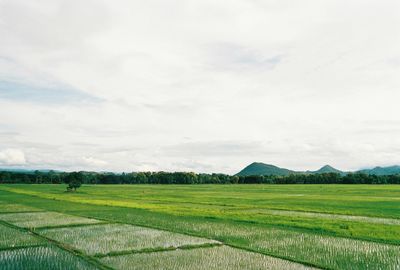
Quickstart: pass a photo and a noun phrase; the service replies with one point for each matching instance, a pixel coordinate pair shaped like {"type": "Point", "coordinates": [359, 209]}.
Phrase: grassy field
{"type": "Point", "coordinates": [183, 226]}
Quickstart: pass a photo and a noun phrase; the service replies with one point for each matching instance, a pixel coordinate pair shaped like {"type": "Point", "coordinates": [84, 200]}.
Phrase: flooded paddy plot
{"type": "Point", "coordinates": [323, 250]}
{"type": "Point", "coordinates": [212, 258]}
{"type": "Point", "coordinates": [103, 239]}
{"type": "Point", "coordinates": [376, 220]}
{"type": "Point", "coordinates": [45, 219]}
{"type": "Point", "coordinates": [11, 238]}
{"type": "Point", "coordinates": [336, 252]}
{"type": "Point", "coordinates": [41, 258]}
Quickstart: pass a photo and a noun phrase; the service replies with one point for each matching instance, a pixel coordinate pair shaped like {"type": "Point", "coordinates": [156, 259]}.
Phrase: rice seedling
{"type": "Point", "coordinates": [41, 258]}
{"type": "Point", "coordinates": [45, 219]}
{"type": "Point", "coordinates": [333, 252]}
{"type": "Point", "coordinates": [109, 238]}
{"type": "Point", "coordinates": [376, 220]}
{"type": "Point", "coordinates": [326, 251]}
{"type": "Point", "coordinates": [10, 238]}
{"type": "Point", "coordinates": [213, 258]}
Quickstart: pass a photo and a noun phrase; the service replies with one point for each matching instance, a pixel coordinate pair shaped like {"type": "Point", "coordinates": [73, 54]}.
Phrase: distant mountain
{"type": "Point", "coordinates": [382, 170]}
{"type": "Point", "coordinates": [328, 169]}
{"type": "Point", "coordinates": [258, 168]}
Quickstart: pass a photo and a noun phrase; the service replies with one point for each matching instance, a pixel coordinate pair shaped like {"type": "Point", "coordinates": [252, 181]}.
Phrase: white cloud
{"type": "Point", "coordinates": [12, 157]}
{"type": "Point", "coordinates": [203, 83]}
{"type": "Point", "coordinates": [93, 162]}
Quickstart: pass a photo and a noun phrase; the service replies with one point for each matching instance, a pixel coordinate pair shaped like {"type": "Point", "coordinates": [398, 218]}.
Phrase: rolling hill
{"type": "Point", "coordinates": [327, 169]}
{"type": "Point", "coordinates": [382, 170]}
{"type": "Point", "coordinates": [259, 168]}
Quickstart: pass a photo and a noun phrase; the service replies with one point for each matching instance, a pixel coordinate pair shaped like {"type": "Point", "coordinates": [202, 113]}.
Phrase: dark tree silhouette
{"type": "Point", "coordinates": [74, 180]}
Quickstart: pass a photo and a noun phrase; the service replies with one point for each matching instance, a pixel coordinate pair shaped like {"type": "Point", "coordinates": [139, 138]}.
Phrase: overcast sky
{"type": "Point", "coordinates": [204, 86]}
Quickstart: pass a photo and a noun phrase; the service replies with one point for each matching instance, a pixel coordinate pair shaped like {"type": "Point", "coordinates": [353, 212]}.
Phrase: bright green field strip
{"type": "Point", "coordinates": [11, 238]}
{"type": "Point", "coordinates": [213, 258]}
{"type": "Point", "coordinates": [113, 238]}
{"type": "Point", "coordinates": [41, 258]}
{"type": "Point", "coordinates": [44, 219]}
{"type": "Point", "coordinates": [363, 200]}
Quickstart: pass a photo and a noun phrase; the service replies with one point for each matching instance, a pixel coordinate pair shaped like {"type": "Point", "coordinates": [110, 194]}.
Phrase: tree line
{"type": "Point", "coordinates": [74, 179]}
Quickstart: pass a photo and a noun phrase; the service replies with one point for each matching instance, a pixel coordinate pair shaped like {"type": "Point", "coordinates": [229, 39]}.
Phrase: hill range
{"type": "Point", "coordinates": [259, 168]}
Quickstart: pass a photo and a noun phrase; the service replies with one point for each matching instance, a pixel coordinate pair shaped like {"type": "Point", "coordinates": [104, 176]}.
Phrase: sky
{"type": "Point", "coordinates": [203, 86]}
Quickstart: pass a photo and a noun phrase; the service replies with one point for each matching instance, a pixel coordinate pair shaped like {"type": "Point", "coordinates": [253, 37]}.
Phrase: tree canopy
{"type": "Point", "coordinates": [75, 179]}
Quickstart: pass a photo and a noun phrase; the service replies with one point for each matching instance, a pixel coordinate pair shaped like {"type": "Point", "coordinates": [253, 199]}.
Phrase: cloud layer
{"type": "Point", "coordinates": [12, 157]}
{"type": "Point", "coordinates": [199, 85]}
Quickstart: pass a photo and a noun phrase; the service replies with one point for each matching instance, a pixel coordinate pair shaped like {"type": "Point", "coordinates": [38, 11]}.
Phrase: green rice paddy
{"type": "Point", "coordinates": [44, 219]}
{"type": "Point", "coordinates": [197, 226]}
{"type": "Point", "coordinates": [42, 257]}
{"type": "Point", "coordinates": [213, 258]}
{"type": "Point", "coordinates": [13, 238]}
{"type": "Point", "coordinates": [114, 238]}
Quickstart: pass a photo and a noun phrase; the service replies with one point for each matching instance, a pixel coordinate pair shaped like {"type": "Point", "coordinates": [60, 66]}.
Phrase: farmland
{"type": "Point", "coordinates": [194, 226]}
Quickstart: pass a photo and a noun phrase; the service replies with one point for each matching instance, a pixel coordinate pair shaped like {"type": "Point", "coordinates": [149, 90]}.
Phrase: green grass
{"type": "Point", "coordinates": [328, 226]}
{"type": "Point", "coordinates": [213, 258]}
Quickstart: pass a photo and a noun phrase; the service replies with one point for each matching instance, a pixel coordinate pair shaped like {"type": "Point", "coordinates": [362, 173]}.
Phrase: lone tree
{"type": "Point", "coordinates": [74, 180]}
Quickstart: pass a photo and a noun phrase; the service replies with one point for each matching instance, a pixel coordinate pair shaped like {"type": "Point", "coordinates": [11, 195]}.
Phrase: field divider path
{"type": "Point", "coordinates": [66, 248]}
{"type": "Point", "coordinates": [71, 225]}
{"type": "Point", "coordinates": [152, 250]}
{"type": "Point", "coordinates": [21, 247]}
{"type": "Point", "coordinates": [22, 212]}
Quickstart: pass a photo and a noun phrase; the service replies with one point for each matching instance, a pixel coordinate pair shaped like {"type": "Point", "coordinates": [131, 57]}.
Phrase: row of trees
{"type": "Point", "coordinates": [75, 178]}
